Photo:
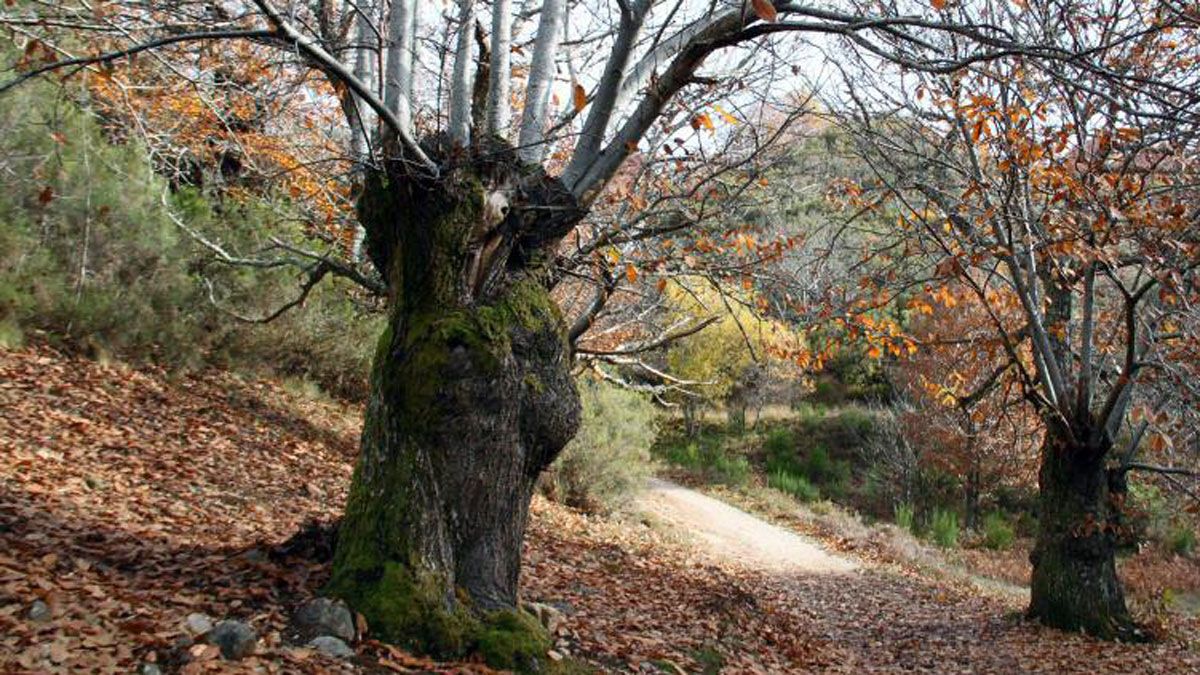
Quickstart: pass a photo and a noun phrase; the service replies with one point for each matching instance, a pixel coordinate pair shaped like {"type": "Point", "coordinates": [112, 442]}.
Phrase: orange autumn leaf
{"type": "Point", "coordinates": [764, 9]}
{"type": "Point", "coordinates": [579, 97]}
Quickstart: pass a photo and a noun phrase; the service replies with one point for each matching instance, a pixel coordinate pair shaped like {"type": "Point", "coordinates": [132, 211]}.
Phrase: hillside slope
{"type": "Point", "coordinates": [129, 500]}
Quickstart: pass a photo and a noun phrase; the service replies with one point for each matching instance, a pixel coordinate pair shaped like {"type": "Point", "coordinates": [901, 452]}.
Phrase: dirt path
{"type": "Point", "coordinates": [731, 534]}
{"type": "Point", "coordinates": [874, 619]}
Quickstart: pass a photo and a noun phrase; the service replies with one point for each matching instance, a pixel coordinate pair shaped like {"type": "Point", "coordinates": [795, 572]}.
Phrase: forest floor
{"type": "Point", "coordinates": [130, 499]}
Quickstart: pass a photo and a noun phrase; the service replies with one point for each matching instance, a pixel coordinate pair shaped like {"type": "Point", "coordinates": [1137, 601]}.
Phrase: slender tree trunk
{"type": "Point", "coordinates": [691, 419]}
{"type": "Point", "coordinates": [471, 398]}
{"type": "Point", "coordinates": [971, 496]}
{"type": "Point", "coordinates": [1075, 584]}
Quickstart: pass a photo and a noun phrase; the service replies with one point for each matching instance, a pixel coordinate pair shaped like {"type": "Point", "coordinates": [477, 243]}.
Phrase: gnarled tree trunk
{"type": "Point", "coordinates": [471, 398]}
{"type": "Point", "coordinates": [1075, 584]}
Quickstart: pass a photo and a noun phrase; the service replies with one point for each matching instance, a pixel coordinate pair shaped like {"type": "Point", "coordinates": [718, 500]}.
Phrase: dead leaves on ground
{"type": "Point", "coordinates": [129, 500]}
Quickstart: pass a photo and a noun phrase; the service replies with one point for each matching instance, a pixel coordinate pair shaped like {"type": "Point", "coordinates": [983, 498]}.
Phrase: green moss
{"type": "Point", "coordinates": [411, 610]}
{"type": "Point", "coordinates": [534, 382]}
{"type": "Point", "coordinates": [408, 609]}
{"type": "Point", "coordinates": [484, 331]}
{"type": "Point", "coordinates": [513, 640]}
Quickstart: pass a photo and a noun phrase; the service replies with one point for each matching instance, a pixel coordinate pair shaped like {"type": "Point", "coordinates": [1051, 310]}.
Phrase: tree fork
{"type": "Point", "coordinates": [471, 398]}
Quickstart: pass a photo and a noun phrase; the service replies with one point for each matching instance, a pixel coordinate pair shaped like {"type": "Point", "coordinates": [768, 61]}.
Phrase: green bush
{"type": "Point", "coordinates": [906, 517]}
{"type": "Point", "coordinates": [709, 457]}
{"type": "Point", "coordinates": [851, 427]}
{"type": "Point", "coordinates": [816, 466]}
{"type": "Point", "coordinates": [610, 456]}
{"type": "Point", "coordinates": [943, 528]}
{"type": "Point", "coordinates": [1181, 539]}
{"type": "Point", "coordinates": [820, 468]}
{"type": "Point", "coordinates": [998, 534]}
{"type": "Point", "coordinates": [92, 260]}
{"type": "Point", "coordinates": [796, 486]}
{"type": "Point", "coordinates": [780, 443]}
{"type": "Point", "coordinates": [729, 469]}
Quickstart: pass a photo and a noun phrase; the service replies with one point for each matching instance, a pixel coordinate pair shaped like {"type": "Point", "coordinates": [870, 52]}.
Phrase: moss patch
{"type": "Point", "coordinates": [411, 610]}
{"type": "Point", "coordinates": [408, 609]}
{"type": "Point", "coordinates": [513, 640]}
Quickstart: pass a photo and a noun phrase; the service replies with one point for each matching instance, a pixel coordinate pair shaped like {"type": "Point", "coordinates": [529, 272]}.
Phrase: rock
{"type": "Point", "coordinates": [95, 483]}
{"type": "Point", "coordinates": [550, 617]}
{"type": "Point", "coordinates": [563, 606]}
{"type": "Point", "coordinates": [236, 639]}
{"type": "Point", "coordinates": [39, 612]}
{"type": "Point", "coordinates": [149, 669]}
{"type": "Point", "coordinates": [182, 644]}
{"type": "Point", "coordinates": [327, 644]}
{"type": "Point", "coordinates": [323, 616]}
{"type": "Point", "coordinates": [198, 624]}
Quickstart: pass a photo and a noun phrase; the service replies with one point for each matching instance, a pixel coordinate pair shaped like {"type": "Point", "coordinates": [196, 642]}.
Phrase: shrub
{"type": "Point", "coordinates": [1149, 515]}
{"type": "Point", "coordinates": [820, 468]}
{"type": "Point", "coordinates": [1181, 539]}
{"type": "Point", "coordinates": [780, 443]}
{"type": "Point", "coordinates": [796, 486]}
{"type": "Point", "coordinates": [828, 392]}
{"type": "Point", "coordinates": [998, 534]}
{"type": "Point", "coordinates": [906, 517]}
{"type": "Point", "coordinates": [943, 528]}
{"type": "Point", "coordinates": [686, 455]}
{"type": "Point", "coordinates": [610, 456]}
{"type": "Point", "coordinates": [707, 455]}
{"type": "Point", "coordinates": [728, 468]}
{"type": "Point", "coordinates": [91, 259]}
{"type": "Point", "coordinates": [818, 465]}
{"type": "Point", "coordinates": [852, 427]}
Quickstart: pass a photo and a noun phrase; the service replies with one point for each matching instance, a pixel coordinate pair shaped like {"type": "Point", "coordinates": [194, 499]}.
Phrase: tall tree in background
{"type": "Point", "coordinates": [463, 204]}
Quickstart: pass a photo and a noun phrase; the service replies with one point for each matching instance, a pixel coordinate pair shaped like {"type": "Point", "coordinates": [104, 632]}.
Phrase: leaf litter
{"type": "Point", "coordinates": [131, 499]}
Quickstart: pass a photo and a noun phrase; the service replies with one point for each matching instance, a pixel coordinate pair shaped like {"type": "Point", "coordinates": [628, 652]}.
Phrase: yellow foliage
{"type": "Point", "coordinates": [721, 353]}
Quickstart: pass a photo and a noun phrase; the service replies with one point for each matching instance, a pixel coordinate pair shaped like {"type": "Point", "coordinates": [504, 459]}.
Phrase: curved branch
{"type": "Point", "coordinates": [130, 51]}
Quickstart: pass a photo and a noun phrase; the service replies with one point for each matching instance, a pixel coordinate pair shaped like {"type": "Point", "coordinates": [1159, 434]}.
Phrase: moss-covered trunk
{"type": "Point", "coordinates": [471, 398]}
{"type": "Point", "coordinates": [1075, 584]}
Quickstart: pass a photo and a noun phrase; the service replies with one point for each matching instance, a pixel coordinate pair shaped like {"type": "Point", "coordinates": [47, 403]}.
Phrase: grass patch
{"type": "Point", "coordinates": [943, 528]}
{"type": "Point", "coordinates": [796, 486]}
{"type": "Point", "coordinates": [906, 518]}
{"type": "Point", "coordinates": [998, 534]}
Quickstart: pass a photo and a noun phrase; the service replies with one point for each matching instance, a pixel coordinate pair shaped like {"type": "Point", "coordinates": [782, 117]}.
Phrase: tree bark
{"type": "Point", "coordinates": [1075, 584]}
{"type": "Point", "coordinates": [471, 399]}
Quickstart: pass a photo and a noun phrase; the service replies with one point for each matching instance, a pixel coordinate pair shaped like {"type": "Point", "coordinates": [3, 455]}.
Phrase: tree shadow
{"type": "Point", "coordinates": [100, 578]}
